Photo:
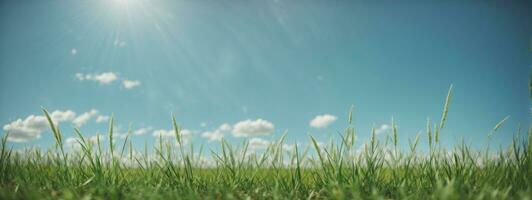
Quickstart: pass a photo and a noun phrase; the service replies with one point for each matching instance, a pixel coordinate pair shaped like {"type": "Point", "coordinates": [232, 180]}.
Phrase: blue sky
{"type": "Point", "coordinates": [254, 69]}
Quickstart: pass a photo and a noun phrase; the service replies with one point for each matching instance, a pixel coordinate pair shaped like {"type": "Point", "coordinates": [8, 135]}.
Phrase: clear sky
{"type": "Point", "coordinates": [254, 69]}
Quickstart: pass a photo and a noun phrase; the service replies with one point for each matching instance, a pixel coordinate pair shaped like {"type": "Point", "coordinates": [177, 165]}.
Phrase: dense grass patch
{"type": "Point", "coordinates": [341, 170]}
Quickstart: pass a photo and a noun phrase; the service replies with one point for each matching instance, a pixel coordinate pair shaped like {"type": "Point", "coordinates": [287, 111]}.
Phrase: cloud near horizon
{"type": "Point", "coordinates": [102, 118]}
{"type": "Point", "coordinates": [217, 134]}
{"type": "Point", "coordinates": [84, 118]}
{"type": "Point", "coordinates": [258, 143]}
{"type": "Point", "coordinates": [31, 128]}
{"type": "Point", "coordinates": [171, 133]}
{"type": "Point", "coordinates": [142, 131]}
{"type": "Point", "coordinates": [322, 121]}
{"type": "Point", "coordinates": [250, 128]}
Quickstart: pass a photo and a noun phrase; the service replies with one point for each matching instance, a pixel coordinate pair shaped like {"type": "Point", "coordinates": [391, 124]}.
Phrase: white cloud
{"type": "Point", "coordinates": [95, 138]}
{"type": "Point", "coordinates": [142, 131]}
{"type": "Point", "coordinates": [103, 78]}
{"type": "Point", "coordinates": [186, 133]}
{"type": "Point", "coordinates": [84, 118]}
{"type": "Point", "coordinates": [250, 128]}
{"type": "Point", "coordinates": [384, 128]}
{"type": "Point", "coordinates": [258, 143]}
{"type": "Point", "coordinates": [30, 128]}
{"type": "Point", "coordinates": [212, 135]}
{"type": "Point", "coordinates": [80, 76]}
{"type": "Point", "coordinates": [102, 118]}
{"type": "Point", "coordinates": [225, 127]}
{"type": "Point", "coordinates": [62, 116]}
{"type": "Point", "coordinates": [322, 121]}
{"type": "Point", "coordinates": [27, 129]}
{"type": "Point", "coordinates": [73, 143]}
{"type": "Point", "coordinates": [130, 84]}
{"type": "Point", "coordinates": [106, 78]}
{"type": "Point", "coordinates": [74, 51]}
{"type": "Point", "coordinates": [218, 133]}
{"type": "Point", "coordinates": [163, 133]}
{"type": "Point", "coordinates": [120, 135]}
{"type": "Point", "coordinates": [289, 147]}
{"type": "Point", "coordinates": [203, 124]}
{"type": "Point", "coordinates": [171, 133]}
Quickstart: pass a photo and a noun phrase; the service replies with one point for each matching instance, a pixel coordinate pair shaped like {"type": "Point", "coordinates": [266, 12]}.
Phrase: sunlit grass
{"type": "Point", "coordinates": [375, 170]}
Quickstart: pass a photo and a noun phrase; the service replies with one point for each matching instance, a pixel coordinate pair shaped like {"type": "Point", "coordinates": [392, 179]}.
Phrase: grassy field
{"type": "Point", "coordinates": [341, 170]}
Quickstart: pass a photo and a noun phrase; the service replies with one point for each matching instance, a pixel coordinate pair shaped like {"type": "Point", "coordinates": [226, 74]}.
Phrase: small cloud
{"type": "Point", "coordinates": [120, 135]}
{"type": "Point", "coordinates": [163, 133]}
{"type": "Point", "coordinates": [319, 77]}
{"type": "Point", "coordinates": [289, 147]}
{"type": "Point", "coordinates": [142, 131]}
{"type": "Point", "coordinates": [384, 128]}
{"type": "Point", "coordinates": [249, 128]}
{"type": "Point", "coordinates": [102, 118]}
{"type": "Point", "coordinates": [217, 134]}
{"type": "Point", "coordinates": [103, 78]}
{"type": "Point", "coordinates": [73, 143]}
{"type": "Point", "coordinates": [80, 76]}
{"type": "Point", "coordinates": [186, 132]}
{"type": "Point", "coordinates": [106, 78]}
{"type": "Point", "coordinates": [84, 118]}
{"type": "Point", "coordinates": [203, 124]}
{"type": "Point", "coordinates": [62, 116]}
{"type": "Point", "coordinates": [171, 133]}
{"type": "Point", "coordinates": [244, 109]}
{"type": "Point", "coordinates": [258, 143]}
{"type": "Point", "coordinates": [74, 51]}
{"type": "Point", "coordinates": [212, 135]}
{"type": "Point", "coordinates": [225, 127]}
{"type": "Point", "coordinates": [95, 138]}
{"type": "Point", "coordinates": [322, 121]}
{"type": "Point", "coordinates": [130, 84]}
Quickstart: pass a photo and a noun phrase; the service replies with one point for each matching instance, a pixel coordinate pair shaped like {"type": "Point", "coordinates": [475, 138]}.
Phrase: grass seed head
{"type": "Point", "coordinates": [446, 107]}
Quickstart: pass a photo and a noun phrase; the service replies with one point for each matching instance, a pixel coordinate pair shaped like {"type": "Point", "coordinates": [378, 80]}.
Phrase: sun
{"type": "Point", "coordinates": [124, 6]}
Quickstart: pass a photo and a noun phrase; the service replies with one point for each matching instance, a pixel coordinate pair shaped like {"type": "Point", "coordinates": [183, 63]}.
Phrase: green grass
{"type": "Point", "coordinates": [343, 170]}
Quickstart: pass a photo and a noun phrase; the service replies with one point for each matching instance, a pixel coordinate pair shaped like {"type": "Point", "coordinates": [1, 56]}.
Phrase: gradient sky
{"type": "Point", "coordinates": [285, 62]}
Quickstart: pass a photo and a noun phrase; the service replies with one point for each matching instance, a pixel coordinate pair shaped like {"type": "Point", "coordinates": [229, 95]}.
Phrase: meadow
{"type": "Point", "coordinates": [339, 169]}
